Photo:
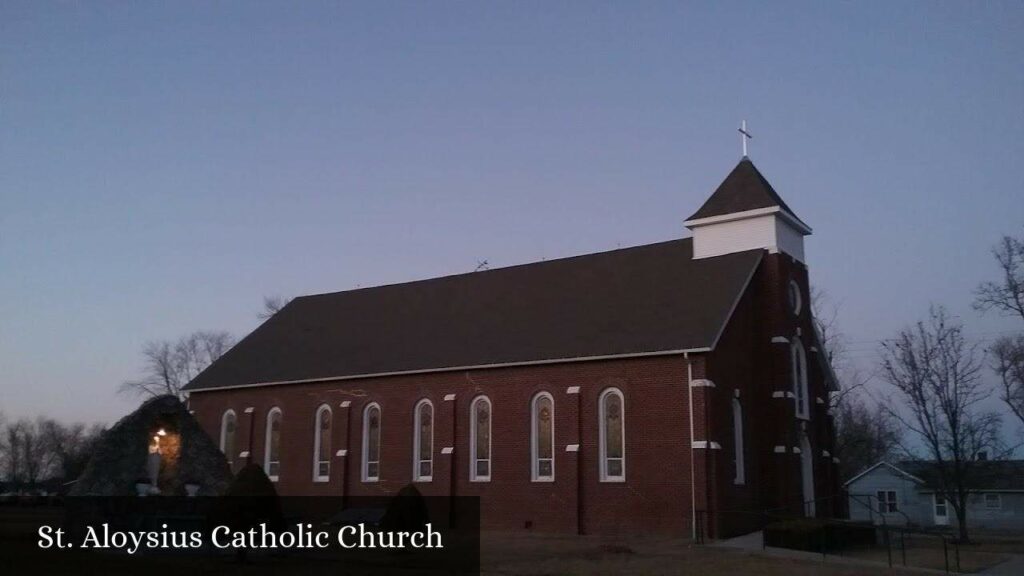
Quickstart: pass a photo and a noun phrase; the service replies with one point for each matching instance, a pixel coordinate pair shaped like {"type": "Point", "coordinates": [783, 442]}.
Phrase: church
{"type": "Point", "coordinates": [675, 388]}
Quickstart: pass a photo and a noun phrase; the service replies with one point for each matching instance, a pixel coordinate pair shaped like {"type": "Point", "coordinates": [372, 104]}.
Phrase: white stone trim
{"type": "Point", "coordinates": [702, 444]}
{"type": "Point", "coordinates": [480, 366]}
{"type": "Point", "coordinates": [249, 410]}
{"type": "Point", "coordinates": [243, 454]}
{"type": "Point", "coordinates": [702, 383]}
{"type": "Point", "coordinates": [345, 404]}
{"type": "Point", "coordinates": [783, 394]}
{"type": "Point", "coordinates": [826, 454]}
{"type": "Point", "coordinates": [796, 449]}
{"type": "Point", "coordinates": [780, 449]}
{"type": "Point", "coordinates": [572, 448]}
{"type": "Point", "coordinates": [780, 340]}
{"type": "Point", "coordinates": [447, 450]}
{"type": "Point", "coordinates": [572, 390]}
{"type": "Point", "coordinates": [449, 397]}
{"type": "Point", "coordinates": [818, 400]}
{"type": "Point", "coordinates": [341, 453]}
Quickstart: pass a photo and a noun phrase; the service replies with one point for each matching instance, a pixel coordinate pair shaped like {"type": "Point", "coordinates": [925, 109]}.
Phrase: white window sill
{"type": "Point", "coordinates": [543, 480]}
{"type": "Point", "coordinates": [424, 479]}
{"type": "Point", "coordinates": [482, 480]}
{"type": "Point", "coordinates": [619, 480]}
{"type": "Point", "coordinates": [321, 479]}
{"type": "Point", "coordinates": [370, 480]}
{"type": "Point", "coordinates": [272, 478]}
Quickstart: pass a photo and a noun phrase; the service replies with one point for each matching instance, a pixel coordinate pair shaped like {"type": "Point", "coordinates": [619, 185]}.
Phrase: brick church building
{"type": "Point", "coordinates": [661, 388]}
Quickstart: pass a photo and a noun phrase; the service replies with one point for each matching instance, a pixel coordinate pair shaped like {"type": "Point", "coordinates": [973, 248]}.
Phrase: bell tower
{"type": "Point", "coordinates": [745, 213]}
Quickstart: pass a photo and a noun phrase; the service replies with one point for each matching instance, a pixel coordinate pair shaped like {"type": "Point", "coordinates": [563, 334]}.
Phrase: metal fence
{"type": "Point", "coordinates": [876, 540]}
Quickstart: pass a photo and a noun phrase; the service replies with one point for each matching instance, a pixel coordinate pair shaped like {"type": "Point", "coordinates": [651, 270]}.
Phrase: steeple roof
{"type": "Point", "coordinates": [742, 190]}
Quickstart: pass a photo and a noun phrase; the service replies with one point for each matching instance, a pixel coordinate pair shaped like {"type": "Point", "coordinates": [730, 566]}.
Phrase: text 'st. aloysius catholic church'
{"type": "Point", "coordinates": [615, 392]}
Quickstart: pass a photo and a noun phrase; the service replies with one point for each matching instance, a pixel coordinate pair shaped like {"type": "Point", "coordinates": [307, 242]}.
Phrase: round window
{"type": "Point", "coordinates": [794, 297]}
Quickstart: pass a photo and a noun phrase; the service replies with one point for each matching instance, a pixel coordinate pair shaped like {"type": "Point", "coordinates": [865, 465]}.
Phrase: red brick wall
{"type": "Point", "coordinates": [747, 360]}
{"type": "Point", "coordinates": [654, 498]}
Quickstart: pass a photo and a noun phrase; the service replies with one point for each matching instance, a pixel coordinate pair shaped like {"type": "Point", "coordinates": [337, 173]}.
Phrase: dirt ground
{"type": "Point", "coordinates": [536, 555]}
{"type": "Point", "coordinates": [984, 551]}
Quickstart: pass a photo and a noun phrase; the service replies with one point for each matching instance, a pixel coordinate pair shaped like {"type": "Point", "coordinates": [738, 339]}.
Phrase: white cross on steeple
{"type": "Point", "coordinates": [744, 136]}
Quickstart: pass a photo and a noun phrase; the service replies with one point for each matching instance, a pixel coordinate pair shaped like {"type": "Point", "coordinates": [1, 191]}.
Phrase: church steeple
{"type": "Point", "coordinates": [746, 213]}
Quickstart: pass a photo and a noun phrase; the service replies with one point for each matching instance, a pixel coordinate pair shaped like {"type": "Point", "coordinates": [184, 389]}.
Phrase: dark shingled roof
{"type": "Point", "coordinates": [649, 298]}
{"type": "Point", "coordinates": [988, 474]}
{"type": "Point", "coordinates": [743, 189]}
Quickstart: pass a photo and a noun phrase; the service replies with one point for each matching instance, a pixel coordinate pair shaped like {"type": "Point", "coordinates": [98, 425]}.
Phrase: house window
{"type": "Point", "coordinates": [542, 438]}
{"type": "Point", "coordinates": [940, 506]}
{"type": "Point", "coordinates": [737, 432]}
{"type": "Point", "coordinates": [799, 372]}
{"type": "Point", "coordinates": [612, 436]}
{"type": "Point", "coordinates": [886, 501]}
{"type": "Point", "coordinates": [993, 502]}
{"type": "Point", "coordinates": [423, 441]}
{"type": "Point", "coordinates": [371, 443]}
{"type": "Point", "coordinates": [272, 445]}
{"type": "Point", "coordinates": [322, 445]}
{"type": "Point", "coordinates": [228, 426]}
{"type": "Point", "coordinates": [480, 440]}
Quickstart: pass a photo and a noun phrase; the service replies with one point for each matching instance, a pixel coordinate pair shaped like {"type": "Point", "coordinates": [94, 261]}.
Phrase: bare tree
{"type": "Point", "coordinates": [864, 434]}
{"type": "Point", "coordinates": [36, 456]}
{"type": "Point", "coordinates": [71, 446]}
{"type": "Point", "coordinates": [11, 451]}
{"type": "Point", "coordinates": [1006, 296]}
{"type": "Point", "coordinates": [272, 305]}
{"type": "Point", "coordinates": [171, 365]}
{"type": "Point", "coordinates": [936, 373]}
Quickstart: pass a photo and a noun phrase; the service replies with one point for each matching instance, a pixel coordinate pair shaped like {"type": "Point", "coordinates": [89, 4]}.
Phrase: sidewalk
{"type": "Point", "coordinates": [1012, 567]}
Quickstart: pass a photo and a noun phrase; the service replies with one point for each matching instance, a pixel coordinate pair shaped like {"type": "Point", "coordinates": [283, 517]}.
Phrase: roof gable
{"type": "Point", "coordinates": [646, 299]}
{"type": "Point", "coordinates": [742, 190]}
{"type": "Point", "coordinates": [896, 470]}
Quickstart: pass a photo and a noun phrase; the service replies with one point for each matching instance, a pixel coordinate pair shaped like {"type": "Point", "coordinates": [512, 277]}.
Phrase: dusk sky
{"type": "Point", "coordinates": [163, 166]}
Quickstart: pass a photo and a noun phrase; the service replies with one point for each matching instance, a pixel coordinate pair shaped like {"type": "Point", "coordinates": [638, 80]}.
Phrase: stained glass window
{"type": "Point", "coordinates": [543, 439]}
{"type": "Point", "coordinates": [371, 443]}
{"type": "Point", "coordinates": [423, 457]}
{"type": "Point", "coordinates": [229, 423]}
{"type": "Point", "coordinates": [272, 457]}
{"type": "Point", "coordinates": [322, 445]}
{"type": "Point", "coordinates": [613, 448]}
{"type": "Point", "coordinates": [480, 439]}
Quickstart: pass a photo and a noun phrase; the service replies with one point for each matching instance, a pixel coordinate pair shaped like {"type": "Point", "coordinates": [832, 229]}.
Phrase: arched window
{"type": "Point", "coordinates": [228, 425]}
{"type": "Point", "coordinates": [613, 436]}
{"type": "Point", "coordinates": [272, 445]}
{"type": "Point", "coordinates": [807, 474]}
{"type": "Point", "coordinates": [322, 444]}
{"type": "Point", "coordinates": [423, 441]}
{"type": "Point", "coordinates": [480, 440]}
{"type": "Point", "coordinates": [542, 438]}
{"type": "Point", "coordinates": [799, 372]}
{"type": "Point", "coordinates": [737, 435]}
{"type": "Point", "coordinates": [371, 443]}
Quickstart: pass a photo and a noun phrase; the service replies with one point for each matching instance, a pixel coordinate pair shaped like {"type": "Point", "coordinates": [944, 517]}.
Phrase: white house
{"type": "Point", "coordinates": [905, 493]}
